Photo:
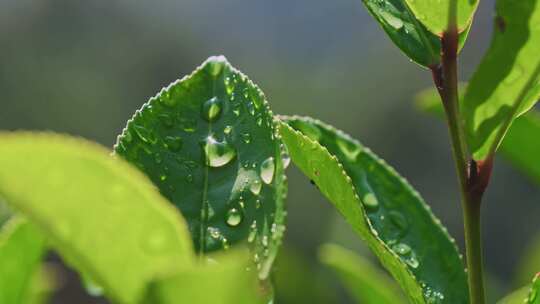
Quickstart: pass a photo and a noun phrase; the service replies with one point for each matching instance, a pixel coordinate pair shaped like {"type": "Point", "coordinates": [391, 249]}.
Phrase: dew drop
{"type": "Point", "coordinates": [251, 108]}
{"type": "Point", "coordinates": [370, 201]}
{"type": "Point", "coordinates": [259, 121]}
{"type": "Point", "coordinates": [402, 249]}
{"type": "Point", "coordinates": [246, 137]}
{"type": "Point", "coordinates": [255, 187]}
{"type": "Point", "coordinates": [218, 153]}
{"type": "Point", "coordinates": [211, 109]}
{"type": "Point", "coordinates": [267, 170]}
{"type": "Point", "coordinates": [189, 178]}
{"type": "Point", "coordinates": [236, 111]}
{"type": "Point", "coordinates": [227, 130]}
{"type": "Point", "coordinates": [234, 217]}
{"type": "Point", "coordinates": [392, 20]}
{"type": "Point", "coordinates": [252, 232]}
{"type": "Point", "coordinates": [216, 65]}
{"type": "Point", "coordinates": [214, 232]}
{"type": "Point", "coordinates": [229, 85]}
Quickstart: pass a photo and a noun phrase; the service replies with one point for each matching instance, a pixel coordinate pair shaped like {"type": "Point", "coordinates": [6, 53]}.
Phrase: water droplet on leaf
{"type": "Point", "coordinates": [267, 170]}
{"type": "Point", "coordinates": [218, 153]}
{"type": "Point", "coordinates": [211, 109]}
{"type": "Point", "coordinates": [234, 217]}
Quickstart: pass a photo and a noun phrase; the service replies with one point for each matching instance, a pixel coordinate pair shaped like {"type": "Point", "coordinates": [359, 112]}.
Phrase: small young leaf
{"type": "Point", "coordinates": [208, 142]}
{"type": "Point", "coordinates": [406, 31]}
{"type": "Point", "coordinates": [366, 283]}
{"type": "Point", "coordinates": [529, 263]}
{"type": "Point", "coordinates": [518, 146]}
{"type": "Point", "coordinates": [382, 208]}
{"type": "Point", "coordinates": [223, 282]}
{"type": "Point", "coordinates": [102, 215]}
{"type": "Point", "coordinates": [435, 16]}
{"type": "Point", "coordinates": [409, 34]}
{"type": "Point", "coordinates": [516, 297]}
{"type": "Point", "coordinates": [534, 292]}
{"type": "Point", "coordinates": [21, 249]}
{"type": "Point", "coordinates": [506, 84]}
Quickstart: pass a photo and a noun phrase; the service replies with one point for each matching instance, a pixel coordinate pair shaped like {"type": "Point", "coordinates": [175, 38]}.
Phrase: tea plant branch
{"type": "Point", "coordinates": [473, 177]}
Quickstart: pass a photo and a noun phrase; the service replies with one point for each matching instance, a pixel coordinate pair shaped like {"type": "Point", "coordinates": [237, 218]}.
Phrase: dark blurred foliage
{"type": "Point", "coordinates": [84, 67]}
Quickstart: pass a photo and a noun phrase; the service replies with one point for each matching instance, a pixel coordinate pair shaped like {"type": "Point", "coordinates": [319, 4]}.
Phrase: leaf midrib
{"type": "Point", "coordinates": [205, 203]}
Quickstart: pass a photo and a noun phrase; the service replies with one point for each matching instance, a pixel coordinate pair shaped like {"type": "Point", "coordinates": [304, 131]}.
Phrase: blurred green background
{"type": "Point", "coordinates": [84, 67]}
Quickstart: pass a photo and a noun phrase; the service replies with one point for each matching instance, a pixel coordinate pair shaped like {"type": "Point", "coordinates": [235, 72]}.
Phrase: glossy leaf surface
{"type": "Point", "coordinates": [366, 283]}
{"type": "Point", "coordinates": [222, 282]}
{"type": "Point", "coordinates": [519, 146]}
{"type": "Point", "coordinates": [435, 15]}
{"type": "Point", "coordinates": [21, 249]}
{"type": "Point", "coordinates": [409, 34]}
{"type": "Point", "coordinates": [506, 83]}
{"type": "Point", "coordinates": [382, 208]}
{"type": "Point", "coordinates": [208, 142]}
{"type": "Point", "coordinates": [102, 215]}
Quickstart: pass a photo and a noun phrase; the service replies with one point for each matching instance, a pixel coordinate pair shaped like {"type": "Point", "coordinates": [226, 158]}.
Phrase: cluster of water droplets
{"type": "Point", "coordinates": [431, 295]}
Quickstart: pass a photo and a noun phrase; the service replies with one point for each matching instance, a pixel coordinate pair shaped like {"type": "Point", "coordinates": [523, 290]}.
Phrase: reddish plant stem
{"type": "Point", "coordinates": [473, 176]}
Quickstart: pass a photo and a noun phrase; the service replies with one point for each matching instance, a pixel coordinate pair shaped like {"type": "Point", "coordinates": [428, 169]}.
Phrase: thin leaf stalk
{"type": "Point", "coordinates": [473, 177]}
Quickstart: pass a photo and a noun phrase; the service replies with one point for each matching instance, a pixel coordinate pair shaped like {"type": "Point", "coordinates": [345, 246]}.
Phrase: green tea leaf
{"type": "Point", "coordinates": [518, 146]}
{"type": "Point", "coordinates": [534, 292]}
{"type": "Point", "coordinates": [529, 263]}
{"type": "Point", "coordinates": [506, 84]}
{"type": "Point", "coordinates": [208, 142]}
{"type": "Point", "coordinates": [435, 16]}
{"type": "Point", "coordinates": [406, 31]}
{"type": "Point", "coordinates": [223, 282]}
{"type": "Point", "coordinates": [102, 215]}
{"type": "Point", "coordinates": [382, 208]}
{"type": "Point", "coordinates": [516, 297]}
{"type": "Point", "coordinates": [21, 249]}
{"type": "Point", "coordinates": [366, 283]}
{"type": "Point", "coordinates": [296, 279]}
{"type": "Point", "coordinates": [409, 34]}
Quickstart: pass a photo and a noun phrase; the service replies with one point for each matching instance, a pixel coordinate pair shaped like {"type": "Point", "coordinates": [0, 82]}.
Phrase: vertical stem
{"type": "Point", "coordinates": [473, 177]}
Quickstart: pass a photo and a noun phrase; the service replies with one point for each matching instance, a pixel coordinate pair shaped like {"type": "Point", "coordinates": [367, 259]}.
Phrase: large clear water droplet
{"type": "Point", "coordinates": [211, 109]}
{"type": "Point", "coordinates": [268, 169]}
{"type": "Point", "coordinates": [234, 217]}
{"type": "Point", "coordinates": [218, 153]}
